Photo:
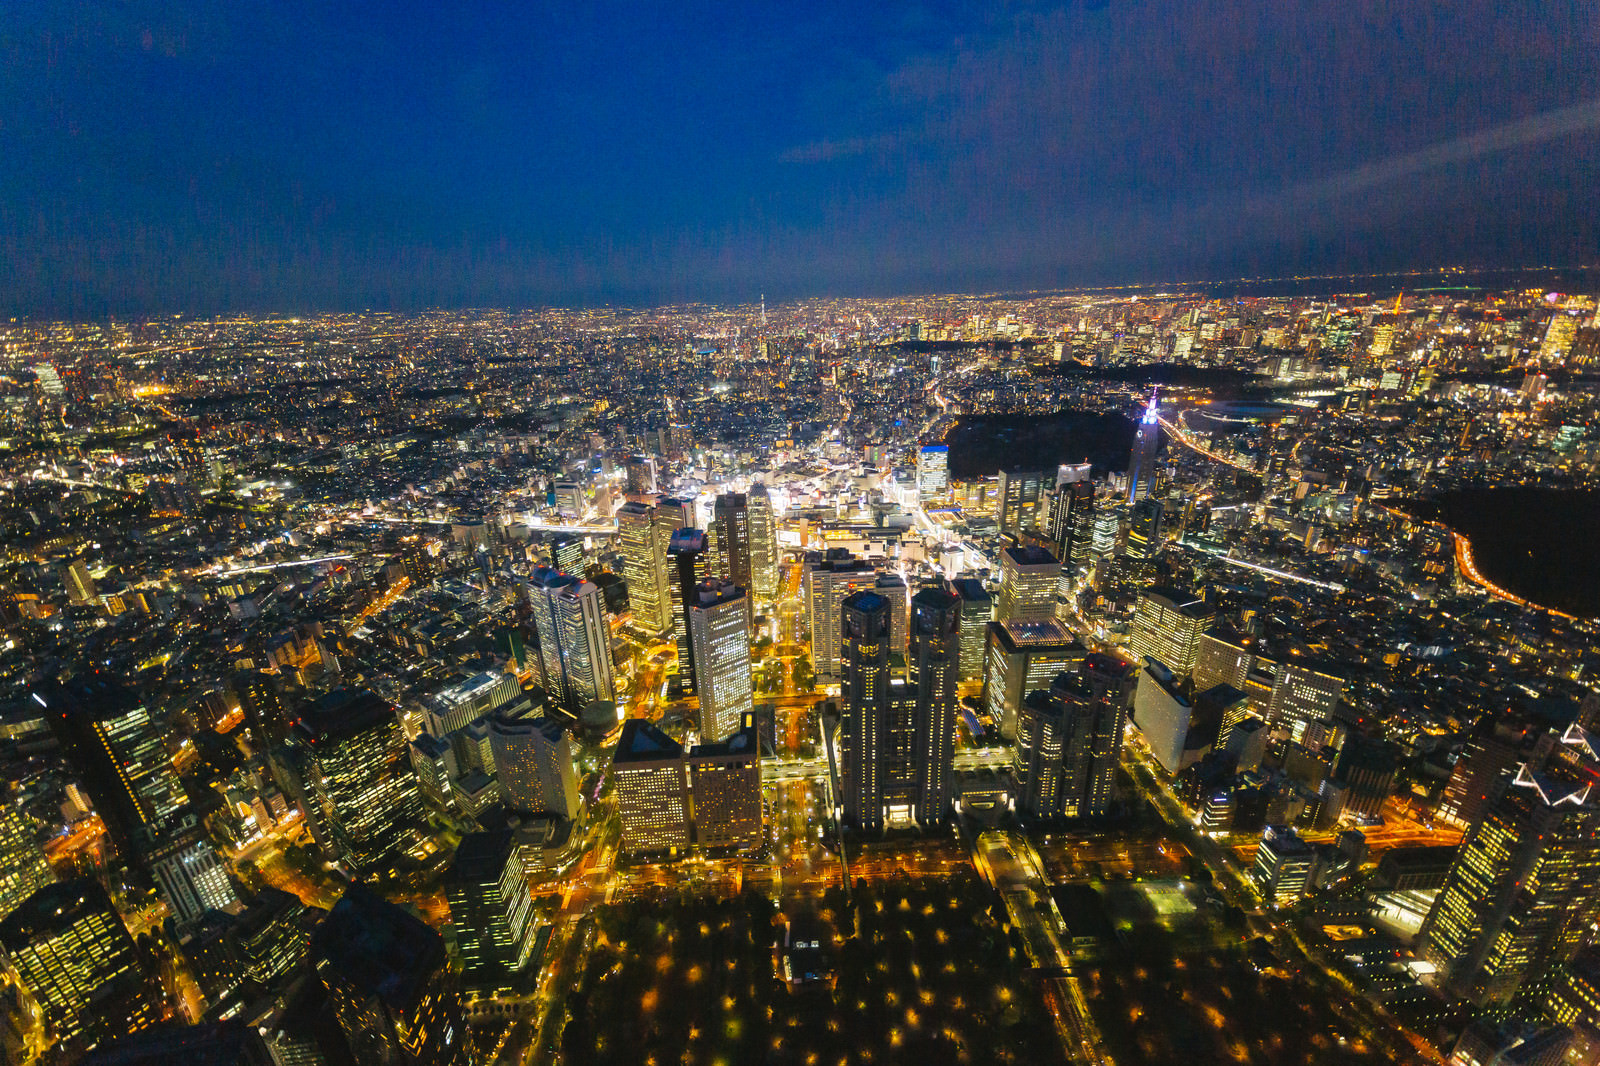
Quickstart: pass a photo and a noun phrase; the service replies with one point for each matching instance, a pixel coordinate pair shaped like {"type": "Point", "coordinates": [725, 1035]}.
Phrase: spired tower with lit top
{"type": "Point", "coordinates": [1142, 464]}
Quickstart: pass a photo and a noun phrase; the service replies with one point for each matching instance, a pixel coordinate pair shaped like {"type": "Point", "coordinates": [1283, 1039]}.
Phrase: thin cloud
{"type": "Point", "coordinates": [827, 151]}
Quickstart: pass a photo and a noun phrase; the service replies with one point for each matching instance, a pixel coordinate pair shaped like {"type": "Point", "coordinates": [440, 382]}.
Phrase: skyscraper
{"type": "Point", "coordinates": [871, 706]}
{"type": "Point", "coordinates": [491, 912]}
{"type": "Point", "coordinates": [719, 635]}
{"type": "Point", "coordinates": [1520, 894]}
{"type": "Point", "coordinates": [1071, 522]}
{"type": "Point", "coordinates": [360, 790]}
{"type": "Point", "coordinates": [189, 874]}
{"type": "Point", "coordinates": [23, 867]}
{"type": "Point", "coordinates": [1020, 657]}
{"type": "Point", "coordinates": [68, 945]}
{"type": "Point", "coordinates": [569, 617]}
{"type": "Point", "coordinates": [935, 674]}
{"type": "Point", "coordinates": [725, 789]}
{"type": "Point", "coordinates": [388, 979]}
{"type": "Point", "coordinates": [261, 700]}
{"type": "Point", "coordinates": [108, 736]}
{"type": "Point", "coordinates": [1167, 625]}
{"type": "Point", "coordinates": [671, 514]}
{"type": "Point", "coordinates": [1028, 578]}
{"type": "Point", "coordinates": [652, 791]}
{"type": "Point", "coordinates": [689, 563]}
{"type": "Point", "coordinates": [828, 582]}
{"type": "Point", "coordinates": [1144, 532]}
{"type": "Point", "coordinates": [1017, 499]}
{"type": "Point", "coordinates": [763, 544]}
{"type": "Point", "coordinates": [1142, 463]}
{"type": "Point", "coordinates": [637, 545]}
{"type": "Point", "coordinates": [533, 762]}
{"type": "Point", "coordinates": [977, 608]}
{"type": "Point", "coordinates": [933, 471]}
{"type": "Point", "coordinates": [731, 513]}
{"type": "Point", "coordinates": [1069, 740]}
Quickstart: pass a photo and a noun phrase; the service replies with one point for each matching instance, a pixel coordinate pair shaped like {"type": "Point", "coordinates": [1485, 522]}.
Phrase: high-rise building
{"type": "Point", "coordinates": [763, 544]}
{"type": "Point", "coordinates": [23, 867]}
{"type": "Point", "coordinates": [261, 701]}
{"type": "Point", "coordinates": [671, 515]}
{"type": "Point", "coordinates": [569, 617]}
{"type": "Point", "coordinates": [1558, 336]}
{"type": "Point", "coordinates": [1028, 577]}
{"type": "Point", "coordinates": [271, 937]}
{"type": "Point", "coordinates": [360, 791]}
{"type": "Point", "coordinates": [69, 947]}
{"type": "Point", "coordinates": [1071, 522]}
{"type": "Point", "coordinates": [189, 874]}
{"type": "Point", "coordinates": [533, 760]}
{"type": "Point", "coordinates": [121, 755]}
{"type": "Point", "coordinates": [977, 608]}
{"type": "Point", "coordinates": [652, 791]}
{"type": "Point", "coordinates": [1490, 758]}
{"type": "Point", "coordinates": [1167, 625]}
{"type": "Point", "coordinates": [1296, 697]}
{"type": "Point", "coordinates": [1367, 767]}
{"type": "Point", "coordinates": [933, 471]}
{"type": "Point", "coordinates": [719, 636]}
{"type": "Point", "coordinates": [1519, 896]}
{"type": "Point", "coordinates": [491, 913]}
{"type": "Point", "coordinates": [1104, 528]}
{"type": "Point", "coordinates": [892, 587]}
{"type": "Point", "coordinates": [934, 664]}
{"type": "Point", "coordinates": [636, 540]}
{"type": "Point", "coordinates": [1144, 532]}
{"type": "Point", "coordinates": [689, 564]}
{"type": "Point", "coordinates": [828, 582]}
{"type": "Point", "coordinates": [731, 518]}
{"type": "Point", "coordinates": [1282, 870]}
{"type": "Point", "coordinates": [1146, 442]}
{"type": "Point", "coordinates": [1017, 498]}
{"type": "Point", "coordinates": [873, 706]}
{"type": "Point", "coordinates": [641, 472]}
{"type": "Point", "coordinates": [725, 789]}
{"type": "Point", "coordinates": [457, 706]}
{"type": "Point", "coordinates": [1069, 740]}
{"type": "Point", "coordinates": [1020, 657]}
{"type": "Point", "coordinates": [388, 980]}
{"type": "Point", "coordinates": [1164, 714]}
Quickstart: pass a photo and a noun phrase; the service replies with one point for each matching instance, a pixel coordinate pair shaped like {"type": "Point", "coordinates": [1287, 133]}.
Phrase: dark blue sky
{"type": "Point", "coordinates": [298, 156]}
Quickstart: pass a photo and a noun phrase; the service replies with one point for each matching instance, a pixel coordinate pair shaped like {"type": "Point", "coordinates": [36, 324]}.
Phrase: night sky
{"type": "Point", "coordinates": [238, 155]}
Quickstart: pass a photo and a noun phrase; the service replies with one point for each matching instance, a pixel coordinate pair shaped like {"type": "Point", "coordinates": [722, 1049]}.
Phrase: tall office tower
{"type": "Point", "coordinates": [1492, 754]}
{"type": "Point", "coordinates": [725, 789]}
{"type": "Point", "coordinates": [1558, 336]}
{"type": "Point", "coordinates": [827, 583]}
{"type": "Point", "coordinates": [189, 874]}
{"type": "Point", "coordinates": [1017, 499]}
{"type": "Point", "coordinates": [1028, 577]}
{"type": "Point", "coordinates": [872, 708]}
{"type": "Point", "coordinates": [360, 791]}
{"type": "Point", "coordinates": [731, 515]}
{"type": "Point", "coordinates": [1163, 715]}
{"type": "Point", "coordinates": [1142, 463]}
{"type": "Point", "coordinates": [78, 582]}
{"type": "Point", "coordinates": [262, 703]}
{"type": "Point", "coordinates": [637, 543]}
{"type": "Point", "coordinates": [689, 564]}
{"type": "Point", "coordinates": [763, 544]}
{"type": "Point", "coordinates": [120, 754]}
{"type": "Point", "coordinates": [641, 471]}
{"type": "Point", "coordinates": [671, 515]}
{"type": "Point", "coordinates": [457, 706]}
{"type": "Point", "coordinates": [1020, 657]}
{"type": "Point", "coordinates": [569, 616]}
{"type": "Point", "coordinates": [1167, 624]}
{"type": "Point", "coordinates": [1069, 739]}
{"type": "Point", "coordinates": [1520, 894]}
{"type": "Point", "coordinates": [1382, 341]}
{"type": "Point", "coordinates": [1103, 533]}
{"type": "Point", "coordinates": [1144, 532]}
{"type": "Point", "coordinates": [388, 979]}
{"type": "Point", "coordinates": [652, 791]}
{"type": "Point", "coordinates": [486, 888]}
{"type": "Point", "coordinates": [23, 867]}
{"type": "Point", "coordinates": [892, 587]}
{"type": "Point", "coordinates": [49, 380]}
{"type": "Point", "coordinates": [976, 610]}
{"type": "Point", "coordinates": [567, 554]}
{"type": "Point", "coordinates": [271, 937]}
{"type": "Point", "coordinates": [1304, 697]}
{"type": "Point", "coordinates": [933, 471]}
{"type": "Point", "coordinates": [719, 634]}
{"type": "Point", "coordinates": [418, 565]}
{"type": "Point", "coordinates": [533, 760]}
{"type": "Point", "coordinates": [1071, 522]}
{"type": "Point", "coordinates": [935, 674]}
{"type": "Point", "coordinates": [69, 947]}
{"type": "Point", "coordinates": [1282, 870]}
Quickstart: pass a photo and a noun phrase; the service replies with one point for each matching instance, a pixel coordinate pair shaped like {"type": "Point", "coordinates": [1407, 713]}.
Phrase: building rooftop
{"type": "Point", "coordinates": [377, 948]}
